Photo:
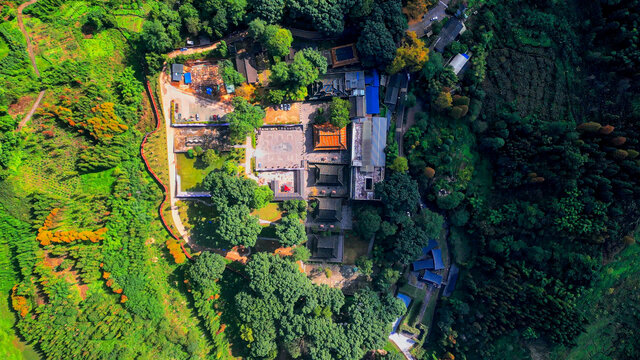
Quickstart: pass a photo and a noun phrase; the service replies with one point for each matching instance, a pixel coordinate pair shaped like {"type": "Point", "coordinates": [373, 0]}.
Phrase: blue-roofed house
{"type": "Point", "coordinates": [187, 78]}
{"type": "Point", "coordinates": [422, 264]}
{"type": "Point", "coordinates": [430, 277]}
{"type": "Point", "coordinates": [437, 259]}
{"type": "Point", "coordinates": [430, 246]}
{"type": "Point", "coordinates": [372, 95]}
{"type": "Point", "coordinates": [372, 92]}
{"type": "Point", "coordinates": [368, 140]}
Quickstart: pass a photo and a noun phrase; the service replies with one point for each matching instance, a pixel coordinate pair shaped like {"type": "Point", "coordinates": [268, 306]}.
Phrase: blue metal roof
{"type": "Point", "coordinates": [372, 79]}
{"type": "Point", "coordinates": [437, 259]}
{"type": "Point", "coordinates": [378, 140]}
{"type": "Point", "coordinates": [432, 245]}
{"type": "Point", "coordinates": [187, 78]}
{"type": "Point", "coordinates": [373, 99]}
{"type": "Point", "coordinates": [432, 278]}
{"type": "Point", "coordinates": [423, 264]}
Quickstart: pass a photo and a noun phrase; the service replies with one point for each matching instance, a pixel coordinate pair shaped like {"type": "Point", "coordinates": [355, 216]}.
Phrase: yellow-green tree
{"type": "Point", "coordinates": [411, 56]}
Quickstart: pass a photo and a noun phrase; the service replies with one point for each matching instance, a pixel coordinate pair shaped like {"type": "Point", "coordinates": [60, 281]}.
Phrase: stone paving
{"type": "Point", "coordinates": [280, 149]}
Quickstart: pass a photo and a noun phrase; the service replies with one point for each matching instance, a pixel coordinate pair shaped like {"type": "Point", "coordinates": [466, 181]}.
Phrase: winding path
{"type": "Point", "coordinates": [153, 174]}
{"type": "Point", "coordinates": [33, 63]}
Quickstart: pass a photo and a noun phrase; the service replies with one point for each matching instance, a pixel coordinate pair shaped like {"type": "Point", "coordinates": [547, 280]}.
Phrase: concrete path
{"type": "Point", "coordinates": [195, 50]}
{"type": "Point", "coordinates": [32, 57]}
{"type": "Point", "coordinates": [27, 117]}
{"type": "Point", "coordinates": [422, 28]}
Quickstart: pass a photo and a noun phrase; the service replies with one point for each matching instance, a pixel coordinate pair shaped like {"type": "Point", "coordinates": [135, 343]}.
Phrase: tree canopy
{"type": "Point", "coordinates": [284, 310]}
{"type": "Point", "coordinates": [244, 119]}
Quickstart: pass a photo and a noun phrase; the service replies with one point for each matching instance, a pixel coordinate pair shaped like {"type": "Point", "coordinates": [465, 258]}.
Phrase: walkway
{"type": "Point", "coordinates": [155, 177]}
{"type": "Point", "coordinates": [32, 57]}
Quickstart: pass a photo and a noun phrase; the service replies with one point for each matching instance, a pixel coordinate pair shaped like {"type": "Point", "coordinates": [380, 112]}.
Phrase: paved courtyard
{"type": "Point", "coordinates": [280, 148]}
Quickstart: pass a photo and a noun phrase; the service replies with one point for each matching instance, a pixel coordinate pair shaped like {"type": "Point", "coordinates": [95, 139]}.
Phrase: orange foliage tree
{"type": "Point", "coordinates": [105, 123]}
{"type": "Point", "coordinates": [46, 237]}
{"type": "Point", "coordinates": [19, 303]}
{"type": "Point", "coordinates": [411, 56]}
{"type": "Point", "coordinates": [176, 251]}
{"type": "Point", "coordinates": [416, 8]}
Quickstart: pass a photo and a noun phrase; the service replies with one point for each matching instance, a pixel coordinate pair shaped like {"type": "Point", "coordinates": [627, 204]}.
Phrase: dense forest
{"type": "Point", "coordinates": [525, 165]}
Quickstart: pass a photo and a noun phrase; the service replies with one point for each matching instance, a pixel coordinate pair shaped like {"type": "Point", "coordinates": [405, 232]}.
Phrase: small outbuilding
{"type": "Point", "coordinates": [432, 278]}
{"type": "Point", "coordinates": [437, 259]}
{"type": "Point", "coordinates": [422, 265]}
{"type": "Point", "coordinates": [177, 70]}
{"type": "Point", "coordinates": [458, 62]}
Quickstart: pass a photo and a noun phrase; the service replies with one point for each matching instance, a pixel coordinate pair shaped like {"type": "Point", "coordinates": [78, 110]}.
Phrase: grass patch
{"type": "Point", "coordinates": [412, 291]}
{"type": "Point", "coordinates": [430, 310]}
{"type": "Point", "coordinates": [354, 247]}
{"type": "Point", "coordinates": [411, 318]}
{"type": "Point", "coordinates": [97, 183]}
{"type": "Point", "coordinates": [193, 171]}
{"type": "Point", "coordinates": [392, 348]}
{"type": "Point", "coordinates": [271, 212]}
{"type": "Point", "coordinates": [130, 22]}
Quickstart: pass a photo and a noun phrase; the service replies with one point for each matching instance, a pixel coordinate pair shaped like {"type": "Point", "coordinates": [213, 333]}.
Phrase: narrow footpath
{"type": "Point", "coordinates": [32, 57]}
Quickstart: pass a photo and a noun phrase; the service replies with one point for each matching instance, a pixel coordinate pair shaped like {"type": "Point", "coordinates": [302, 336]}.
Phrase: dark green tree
{"type": "Point", "coordinates": [207, 269]}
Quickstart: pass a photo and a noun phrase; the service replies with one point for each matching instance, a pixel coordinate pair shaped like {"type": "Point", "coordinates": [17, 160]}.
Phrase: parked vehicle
{"type": "Point", "coordinates": [434, 18]}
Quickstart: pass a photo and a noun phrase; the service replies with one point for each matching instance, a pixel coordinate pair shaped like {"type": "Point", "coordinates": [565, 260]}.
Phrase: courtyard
{"type": "Point", "coordinates": [280, 148]}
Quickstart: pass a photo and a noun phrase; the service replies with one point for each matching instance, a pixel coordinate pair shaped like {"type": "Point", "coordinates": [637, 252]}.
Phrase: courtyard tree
{"type": "Point", "coordinates": [339, 112]}
{"type": "Point", "coordinates": [368, 223]}
{"type": "Point", "coordinates": [262, 196]}
{"type": "Point", "coordinates": [295, 206]}
{"type": "Point", "coordinates": [365, 265]}
{"type": "Point", "coordinates": [301, 253]}
{"type": "Point", "coordinates": [399, 194]}
{"type": "Point", "coordinates": [229, 190]}
{"type": "Point", "coordinates": [236, 226]}
{"type": "Point", "coordinates": [290, 230]}
{"type": "Point", "coordinates": [294, 78]}
{"type": "Point", "coordinates": [210, 157]}
{"type": "Point", "coordinates": [244, 118]}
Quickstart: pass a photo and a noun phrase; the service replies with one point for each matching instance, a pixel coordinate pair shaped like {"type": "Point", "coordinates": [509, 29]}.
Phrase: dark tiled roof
{"type": "Point", "coordinates": [449, 33]}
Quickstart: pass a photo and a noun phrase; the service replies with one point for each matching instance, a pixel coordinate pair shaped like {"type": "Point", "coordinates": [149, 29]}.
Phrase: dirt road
{"type": "Point", "coordinates": [32, 57]}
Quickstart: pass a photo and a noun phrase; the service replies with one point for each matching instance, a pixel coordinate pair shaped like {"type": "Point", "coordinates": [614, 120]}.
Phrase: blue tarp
{"type": "Point", "coordinates": [432, 278]}
{"type": "Point", "coordinates": [422, 264]}
{"type": "Point", "coordinates": [437, 259]}
{"type": "Point", "coordinates": [373, 99]}
{"type": "Point", "coordinates": [187, 78]}
{"type": "Point", "coordinates": [209, 91]}
{"type": "Point", "coordinates": [432, 245]}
